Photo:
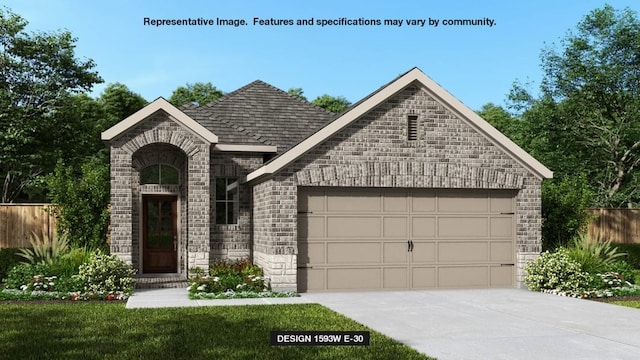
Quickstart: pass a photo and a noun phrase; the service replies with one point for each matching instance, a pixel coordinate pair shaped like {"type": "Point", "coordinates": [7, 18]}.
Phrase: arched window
{"type": "Point", "coordinates": [160, 174]}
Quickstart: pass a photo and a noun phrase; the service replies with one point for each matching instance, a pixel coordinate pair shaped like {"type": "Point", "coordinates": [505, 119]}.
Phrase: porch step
{"type": "Point", "coordinates": [161, 281]}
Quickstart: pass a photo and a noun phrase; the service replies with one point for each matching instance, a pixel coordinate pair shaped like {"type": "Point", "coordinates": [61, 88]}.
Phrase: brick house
{"type": "Point", "coordinates": [406, 189]}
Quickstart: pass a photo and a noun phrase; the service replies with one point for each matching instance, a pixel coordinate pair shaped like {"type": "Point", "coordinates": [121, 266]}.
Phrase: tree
{"type": "Point", "coordinates": [331, 103]}
{"type": "Point", "coordinates": [118, 102]}
{"type": "Point", "coordinates": [500, 118]}
{"type": "Point", "coordinates": [200, 93]}
{"type": "Point", "coordinates": [297, 92]}
{"type": "Point", "coordinates": [82, 195]}
{"type": "Point", "coordinates": [590, 105]}
{"type": "Point", "coordinates": [565, 202]}
{"type": "Point", "coordinates": [38, 73]}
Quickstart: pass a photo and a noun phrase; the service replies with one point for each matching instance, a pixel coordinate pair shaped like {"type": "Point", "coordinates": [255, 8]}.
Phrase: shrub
{"type": "Point", "coordinates": [45, 250]}
{"type": "Point", "coordinates": [8, 259]}
{"type": "Point", "coordinates": [556, 271]}
{"type": "Point", "coordinates": [22, 274]}
{"type": "Point", "coordinates": [226, 275]}
{"type": "Point", "coordinates": [633, 253]}
{"type": "Point", "coordinates": [106, 273]}
{"type": "Point", "coordinates": [564, 210]}
{"type": "Point", "coordinates": [622, 268]}
{"type": "Point", "coordinates": [69, 264]}
{"type": "Point", "coordinates": [83, 197]}
{"type": "Point", "coordinates": [594, 256]}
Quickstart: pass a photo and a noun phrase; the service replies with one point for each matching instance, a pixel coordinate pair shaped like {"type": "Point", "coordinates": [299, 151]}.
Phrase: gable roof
{"type": "Point", "coordinates": [259, 113]}
{"type": "Point", "coordinates": [379, 96]}
{"type": "Point", "coordinates": [159, 104]}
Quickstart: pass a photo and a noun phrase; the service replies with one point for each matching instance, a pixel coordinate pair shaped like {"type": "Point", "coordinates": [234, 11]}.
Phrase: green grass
{"type": "Point", "coordinates": [100, 330]}
{"type": "Point", "coordinates": [628, 303]}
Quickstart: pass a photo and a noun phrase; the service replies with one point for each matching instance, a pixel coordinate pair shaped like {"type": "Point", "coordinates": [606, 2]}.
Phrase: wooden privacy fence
{"type": "Point", "coordinates": [618, 225]}
{"type": "Point", "coordinates": [19, 221]}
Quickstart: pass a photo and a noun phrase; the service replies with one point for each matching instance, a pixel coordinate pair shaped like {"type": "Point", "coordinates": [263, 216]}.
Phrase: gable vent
{"type": "Point", "coordinates": [412, 127]}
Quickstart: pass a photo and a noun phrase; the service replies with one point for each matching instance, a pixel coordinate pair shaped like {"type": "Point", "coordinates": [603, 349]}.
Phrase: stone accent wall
{"type": "Point", "coordinates": [160, 139]}
{"type": "Point", "coordinates": [232, 241]}
{"type": "Point", "coordinates": [374, 152]}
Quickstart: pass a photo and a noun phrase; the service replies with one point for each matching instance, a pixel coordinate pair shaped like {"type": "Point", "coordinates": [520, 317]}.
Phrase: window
{"type": "Point", "coordinates": [412, 127]}
{"type": "Point", "coordinates": [227, 201]}
{"type": "Point", "coordinates": [160, 174]}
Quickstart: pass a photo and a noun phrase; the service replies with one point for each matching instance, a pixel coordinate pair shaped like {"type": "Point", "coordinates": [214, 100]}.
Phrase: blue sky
{"type": "Point", "coordinates": [477, 64]}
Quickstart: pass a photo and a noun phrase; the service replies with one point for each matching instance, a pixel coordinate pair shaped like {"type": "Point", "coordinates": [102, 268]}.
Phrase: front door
{"type": "Point", "coordinates": [159, 234]}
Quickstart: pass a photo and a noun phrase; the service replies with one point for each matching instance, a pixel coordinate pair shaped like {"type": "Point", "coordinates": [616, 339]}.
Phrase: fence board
{"type": "Point", "coordinates": [617, 225]}
{"type": "Point", "coordinates": [19, 221]}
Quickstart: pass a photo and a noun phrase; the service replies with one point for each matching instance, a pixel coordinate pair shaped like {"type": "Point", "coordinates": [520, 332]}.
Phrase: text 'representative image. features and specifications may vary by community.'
{"type": "Point", "coordinates": [324, 22]}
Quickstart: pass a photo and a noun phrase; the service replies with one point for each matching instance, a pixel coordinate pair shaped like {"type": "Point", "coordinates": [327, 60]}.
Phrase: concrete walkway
{"type": "Point", "coordinates": [468, 324]}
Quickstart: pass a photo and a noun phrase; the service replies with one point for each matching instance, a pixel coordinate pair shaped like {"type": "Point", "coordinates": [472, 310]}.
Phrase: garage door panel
{"type": "Point", "coordinates": [423, 252]}
{"type": "Point", "coordinates": [423, 201]}
{"type": "Point", "coordinates": [311, 201]}
{"type": "Point", "coordinates": [423, 227]}
{"type": "Point", "coordinates": [476, 227]}
{"type": "Point", "coordinates": [311, 227]}
{"type": "Point", "coordinates": [354, 279]}
{"type": "Point", "coordinates": [311, 279]}
{"type": "Point", "coordinates": [395, 252]}
{"type": "Point", "coordinates": [502, 227]}
{"type": "Point", "coordinates": [395, 201]}
{"type": "Point", "coordinates": [423, 277]}
{"type": "Point", "coordinates": [353, 226]}
{"type": "Point", "coordinates": [501, 276]}
{"type": "Point", "coordinates": [462, 252]}
{"type": "Point", "coordinates": [501, 251]}
{"type": "Point", "coordinates": [354, 252]}
{"type": "Point", "coordinates": [502, 202]}
{"type": "Point", "coordinates": [395, 278]}
{"type": "Point", "coordinates": [463, 276]}
{"type": "Point", "coordinates": [466, 202]}
{"type": "Point", "coordinates": [354, 201]}
{"type": "Point", "coordinates": [395, 227]}
{"type": "Point", "coordinates": [311, 253]}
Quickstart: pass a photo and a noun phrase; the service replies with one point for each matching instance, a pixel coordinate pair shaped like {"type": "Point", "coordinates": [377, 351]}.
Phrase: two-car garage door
{"type": "Point", "coordinates": [373, 238]}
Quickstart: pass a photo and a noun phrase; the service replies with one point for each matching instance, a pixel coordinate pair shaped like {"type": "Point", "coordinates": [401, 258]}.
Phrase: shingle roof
{"type": "Point", "coordinates": [259, 113]}
{"type": "Point", "coordinates": [226, 133]}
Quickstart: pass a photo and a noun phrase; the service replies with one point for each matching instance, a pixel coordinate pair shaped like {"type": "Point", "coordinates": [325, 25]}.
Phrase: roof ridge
{"type": "Point", "coordinates": [297, 98]}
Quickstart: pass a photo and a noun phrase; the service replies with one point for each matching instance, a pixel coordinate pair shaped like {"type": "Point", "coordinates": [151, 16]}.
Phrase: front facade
{"type": "Point", "coordinates": [407, 189]}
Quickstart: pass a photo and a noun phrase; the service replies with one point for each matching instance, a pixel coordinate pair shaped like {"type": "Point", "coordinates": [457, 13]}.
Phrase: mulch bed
{"type": "Point", "coordinates": [618, 298]}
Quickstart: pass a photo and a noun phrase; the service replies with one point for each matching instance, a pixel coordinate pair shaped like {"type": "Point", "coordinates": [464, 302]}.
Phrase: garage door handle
{"type": "Point", "coordinates": [305, 267]}
{"type": "Point", "coordinates": [507, 213]}
{"type": "Point", "coordinates": [507, 264]}
{"type": "Point", "coordinates": [409, 245]}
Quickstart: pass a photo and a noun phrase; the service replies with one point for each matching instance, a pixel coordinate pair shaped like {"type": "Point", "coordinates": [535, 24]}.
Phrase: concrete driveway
{"type": "Point", "coordinates": [495, 323]}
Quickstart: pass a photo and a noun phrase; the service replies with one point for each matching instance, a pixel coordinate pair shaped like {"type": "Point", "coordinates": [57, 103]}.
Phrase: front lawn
{"type": "Point", "coordinates": [628, 303]}
{"type": "Point", "coordinates": [97, 330]}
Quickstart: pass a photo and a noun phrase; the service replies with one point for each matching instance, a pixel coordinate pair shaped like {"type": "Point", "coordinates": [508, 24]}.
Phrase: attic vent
{"type": "Point", "coordinates": [412, 127]}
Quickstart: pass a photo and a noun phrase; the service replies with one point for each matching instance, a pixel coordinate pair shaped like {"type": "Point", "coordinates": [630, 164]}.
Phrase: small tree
{"type": "Point", "coordinates": [564, 210]}
{"type": "Point", "coordinates": [82, 199]}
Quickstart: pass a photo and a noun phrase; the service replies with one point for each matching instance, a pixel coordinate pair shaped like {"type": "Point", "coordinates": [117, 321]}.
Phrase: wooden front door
{"type": "Point", "coordinates": [159, 234]}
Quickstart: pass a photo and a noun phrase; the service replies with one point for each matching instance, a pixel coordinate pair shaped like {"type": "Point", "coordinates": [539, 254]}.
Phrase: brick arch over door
{"type": "Point", "coordinates": [159, 131]}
